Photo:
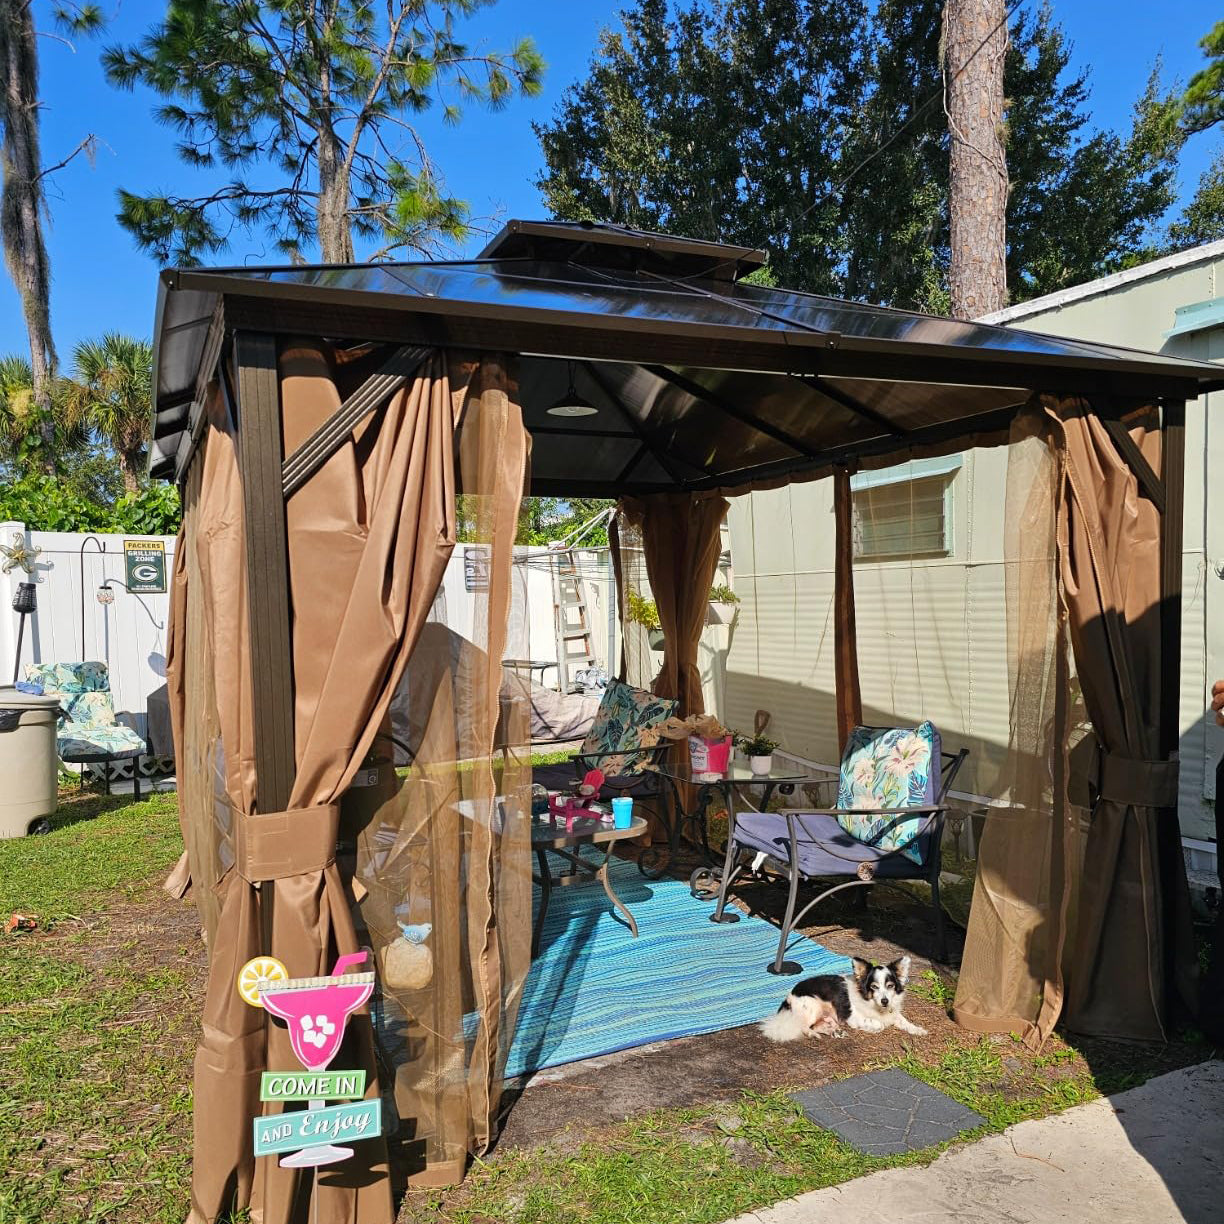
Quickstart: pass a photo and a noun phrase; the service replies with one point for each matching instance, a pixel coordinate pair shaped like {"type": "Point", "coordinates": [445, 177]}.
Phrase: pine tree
{"type": "Point", "coordinates": [1202, 105]}
{"type": "Point", "coordinates": [723, 122]}
{"type": "Point", "coordinates": [896, 166]}
{"type": "Point", "coordinates": [819, 134]}
{"type": "Point", "coordinates": [975, 50]}
{"type": "Point", "coordinates": [313, 100]}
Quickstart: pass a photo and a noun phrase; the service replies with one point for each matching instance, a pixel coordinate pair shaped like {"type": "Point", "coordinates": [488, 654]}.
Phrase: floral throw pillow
{"type": "Point", "coordinates": [894, 768]}
{"type": "Point", "coordinates": [626, 719]}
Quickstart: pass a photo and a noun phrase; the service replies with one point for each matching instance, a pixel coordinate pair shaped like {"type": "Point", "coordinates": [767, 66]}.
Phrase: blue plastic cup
{"type": "Point", "coordinates": [622, 812]}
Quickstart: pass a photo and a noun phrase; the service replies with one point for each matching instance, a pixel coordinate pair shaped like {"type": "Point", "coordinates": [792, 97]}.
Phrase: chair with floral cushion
{"type": "Point", "coordinates": [623, 742]}
{"type": "Point", "coordinates": [888, 825]}
{"type": "Point", "coordinates": [87, 732]}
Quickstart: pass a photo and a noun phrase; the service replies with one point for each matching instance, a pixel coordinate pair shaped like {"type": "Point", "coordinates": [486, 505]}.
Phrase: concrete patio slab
{"type": "Point", "coordinates": [1152, 1155]}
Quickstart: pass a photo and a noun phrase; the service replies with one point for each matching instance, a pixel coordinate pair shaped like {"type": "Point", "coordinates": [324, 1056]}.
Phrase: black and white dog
{"type": "Point", "coordinates": [869, 1000]}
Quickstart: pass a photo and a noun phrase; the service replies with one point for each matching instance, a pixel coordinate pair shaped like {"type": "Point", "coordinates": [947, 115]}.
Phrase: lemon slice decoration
{"type": "Point", "coordinates": [258, 974]}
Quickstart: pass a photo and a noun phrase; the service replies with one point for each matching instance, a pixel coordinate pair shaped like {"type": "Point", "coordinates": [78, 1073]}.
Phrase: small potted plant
{"type": "Point", "coordinates": [723, 602]}
{"type": "Point", "coordinates": [644, 612]}
{"type": "Point", "coordinates": [759, 750]}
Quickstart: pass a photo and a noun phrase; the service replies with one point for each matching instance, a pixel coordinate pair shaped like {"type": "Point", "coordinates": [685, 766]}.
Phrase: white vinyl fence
{"type": "Point", "coordinates": [129, 635]}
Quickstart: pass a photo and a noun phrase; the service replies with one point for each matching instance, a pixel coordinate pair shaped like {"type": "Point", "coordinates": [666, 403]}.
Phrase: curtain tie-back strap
{"type": "Point", "coordinates": [273, 845]}
{"type": "Point", "coordinates": [1139, 783]}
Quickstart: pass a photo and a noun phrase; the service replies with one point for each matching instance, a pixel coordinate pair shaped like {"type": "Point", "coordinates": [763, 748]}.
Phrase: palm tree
{"type": "Point", "coordinates": [24, 427]}
{"type": "Point", "coordinates": [110, 393]}
{"type": "Point", "coordinates": [16, 403]}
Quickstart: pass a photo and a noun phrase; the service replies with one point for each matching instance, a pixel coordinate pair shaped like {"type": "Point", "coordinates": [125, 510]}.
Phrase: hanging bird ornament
{"type": "Point", "coordinates": [17, 554]}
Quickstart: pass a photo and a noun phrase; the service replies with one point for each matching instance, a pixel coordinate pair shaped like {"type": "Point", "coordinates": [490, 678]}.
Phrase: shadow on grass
{"type": "Point", "coordinates": [76, 806]}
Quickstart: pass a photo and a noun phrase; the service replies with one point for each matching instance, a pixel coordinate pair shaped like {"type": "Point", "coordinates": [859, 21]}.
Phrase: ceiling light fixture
{"type": "Point", "coordinates": [571, 404]}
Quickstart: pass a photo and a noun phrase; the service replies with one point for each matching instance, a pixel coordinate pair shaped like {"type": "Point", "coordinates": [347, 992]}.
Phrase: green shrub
{"type": "Point", "coordinates": [44, 503]}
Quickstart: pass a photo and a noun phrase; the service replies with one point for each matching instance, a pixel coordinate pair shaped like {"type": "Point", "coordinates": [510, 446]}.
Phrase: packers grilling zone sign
{"type": "Point", "coordinates": [144, 562]}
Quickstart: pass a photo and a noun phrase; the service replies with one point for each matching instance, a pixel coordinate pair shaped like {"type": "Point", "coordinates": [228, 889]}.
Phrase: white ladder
{"type": "Point", "coordinates": [569, 609]}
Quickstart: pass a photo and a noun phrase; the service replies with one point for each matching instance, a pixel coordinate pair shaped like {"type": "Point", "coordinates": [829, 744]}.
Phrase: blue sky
{"type": "Point", "coordinates": [102, 283]}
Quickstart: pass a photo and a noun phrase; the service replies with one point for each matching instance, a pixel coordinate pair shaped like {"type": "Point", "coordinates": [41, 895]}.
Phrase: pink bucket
{"type": "Point", "coordinates": [709, 756]}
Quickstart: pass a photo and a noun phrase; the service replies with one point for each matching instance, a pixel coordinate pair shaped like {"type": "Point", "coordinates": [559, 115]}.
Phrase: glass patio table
{"type": "Point", "coordinates": [728, 785]}
{"type": "Point", "coordinates": [562, 838]}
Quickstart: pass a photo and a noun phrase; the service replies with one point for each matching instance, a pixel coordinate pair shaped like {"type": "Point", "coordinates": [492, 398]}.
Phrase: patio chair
{"type": "Point", "coordinates": [87, 733]}
{"type": "Point", "coordinates": [615, 745]}
{"type": "Point", "coordinates": [887, 826]}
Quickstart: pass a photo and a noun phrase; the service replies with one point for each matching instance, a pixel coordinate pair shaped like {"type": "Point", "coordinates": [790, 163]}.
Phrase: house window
{"type": "Point", "coordinates": [904, 511]}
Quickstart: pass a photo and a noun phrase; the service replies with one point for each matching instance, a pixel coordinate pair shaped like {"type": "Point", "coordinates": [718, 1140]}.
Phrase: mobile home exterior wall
{"type": "Point", "coordinates": [932, 630]}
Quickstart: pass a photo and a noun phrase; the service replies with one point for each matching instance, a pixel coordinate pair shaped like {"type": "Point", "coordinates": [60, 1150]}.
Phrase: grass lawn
{"type": "Point", "coordinates": [99, 1015]}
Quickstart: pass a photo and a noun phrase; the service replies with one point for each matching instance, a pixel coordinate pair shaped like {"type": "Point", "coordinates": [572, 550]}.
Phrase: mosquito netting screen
{"type": "Point", "coordinates": [426, 863]}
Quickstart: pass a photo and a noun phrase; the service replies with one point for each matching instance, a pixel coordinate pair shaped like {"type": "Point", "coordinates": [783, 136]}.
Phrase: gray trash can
{"type": "Point", "coordinates": [29, 790]}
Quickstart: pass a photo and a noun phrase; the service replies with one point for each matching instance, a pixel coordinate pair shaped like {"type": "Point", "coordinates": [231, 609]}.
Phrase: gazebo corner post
{"type": "Point", "coordinates": [1173, 467]}
{"type": "Point", "coordinates": [1177, 934]}
{"type": "Point", "coordinates": [849, 700]}
{"type": "Point", "coordinates": [260, 459]}
{"type": "Point", "coordinates": [260, 454]}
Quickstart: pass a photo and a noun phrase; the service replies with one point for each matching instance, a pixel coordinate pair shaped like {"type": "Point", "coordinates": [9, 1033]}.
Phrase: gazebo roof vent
{"type": "Point", "coordinates": [598, 244]}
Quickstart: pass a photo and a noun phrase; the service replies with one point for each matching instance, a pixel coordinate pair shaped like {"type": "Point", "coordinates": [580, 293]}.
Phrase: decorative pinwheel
{"type": "Point", "coordinates": [17, 554]}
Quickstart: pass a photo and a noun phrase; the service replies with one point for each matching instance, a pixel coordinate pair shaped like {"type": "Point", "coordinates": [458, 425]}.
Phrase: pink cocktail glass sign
{"type": "Point", "coordinates": [316, 1011]}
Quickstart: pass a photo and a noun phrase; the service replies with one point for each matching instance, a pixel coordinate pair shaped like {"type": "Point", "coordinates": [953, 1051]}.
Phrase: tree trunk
{"type": "Point", "coordinates": [129, 468]}
{"type": "Point", "coordinates": [25, 252]}
{"type": "Point", "coordinates": [335, 234]}
{"type": "Point", "coordinates": [975, 44]}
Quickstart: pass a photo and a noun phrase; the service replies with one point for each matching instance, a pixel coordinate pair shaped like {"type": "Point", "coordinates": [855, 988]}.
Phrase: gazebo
{"type": "Point", "coordinates": [330, 426]}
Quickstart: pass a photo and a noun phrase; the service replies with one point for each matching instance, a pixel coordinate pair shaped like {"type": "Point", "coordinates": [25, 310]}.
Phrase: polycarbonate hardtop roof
{"type": "Point", "coordinates": [679, 351]}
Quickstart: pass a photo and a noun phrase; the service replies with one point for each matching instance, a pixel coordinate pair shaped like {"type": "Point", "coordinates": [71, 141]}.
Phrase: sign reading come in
{"type": "Point", "coordinates": [145, 563]}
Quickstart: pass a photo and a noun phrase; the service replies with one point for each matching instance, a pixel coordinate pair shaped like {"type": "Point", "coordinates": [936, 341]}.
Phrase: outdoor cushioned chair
{"type": "Point", "coordinates": [87, 733]}
{"type": "Point", "coordinates": [621, 744]}
{"type": "Point", "coordinates": [887, 826]}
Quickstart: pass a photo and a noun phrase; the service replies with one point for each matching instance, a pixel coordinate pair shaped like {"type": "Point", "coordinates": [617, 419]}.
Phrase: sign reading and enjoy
{"type": "Point", "coordinates": [145, 564]}
{"type": "Point", "coordinates": [315, 1128]}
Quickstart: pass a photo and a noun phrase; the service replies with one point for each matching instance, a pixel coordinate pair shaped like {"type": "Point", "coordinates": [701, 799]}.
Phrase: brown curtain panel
{"type": "Point", "coordinates": [1078, 912]}
{"type": "Point", "coordinates": [639, 665]}
{"type": "Point", "coordinates": [179, 879]}
{"type": "Point", "coordinates": [1133, 951]}
{"type": "Point", "coordinates": [681, 541]}
{"type": "Point", "coordinates": [1011, 977]}
{"type": "Point", "coordinates": [369, 539]}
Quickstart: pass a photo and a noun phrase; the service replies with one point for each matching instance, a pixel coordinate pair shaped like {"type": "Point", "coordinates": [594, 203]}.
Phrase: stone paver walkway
{"type": "Point", "coordinates": [885, 1112]}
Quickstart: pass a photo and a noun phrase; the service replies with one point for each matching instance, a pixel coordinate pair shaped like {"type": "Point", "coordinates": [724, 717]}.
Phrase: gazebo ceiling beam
{"type": "Point", "coordinates": [638, 456]}
{"type": "Point", "coordinates": [643, 435]}
{"type": "Point", "coordinates": [948, 432]}
{"type": "Point", "coordinates": [725, 406]}
{"type": "Point", "coordinates": [821, 385]}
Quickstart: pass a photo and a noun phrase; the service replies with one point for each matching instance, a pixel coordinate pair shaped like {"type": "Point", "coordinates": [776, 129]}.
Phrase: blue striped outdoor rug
{"type": "Point", "coordinates": [594, 989]}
